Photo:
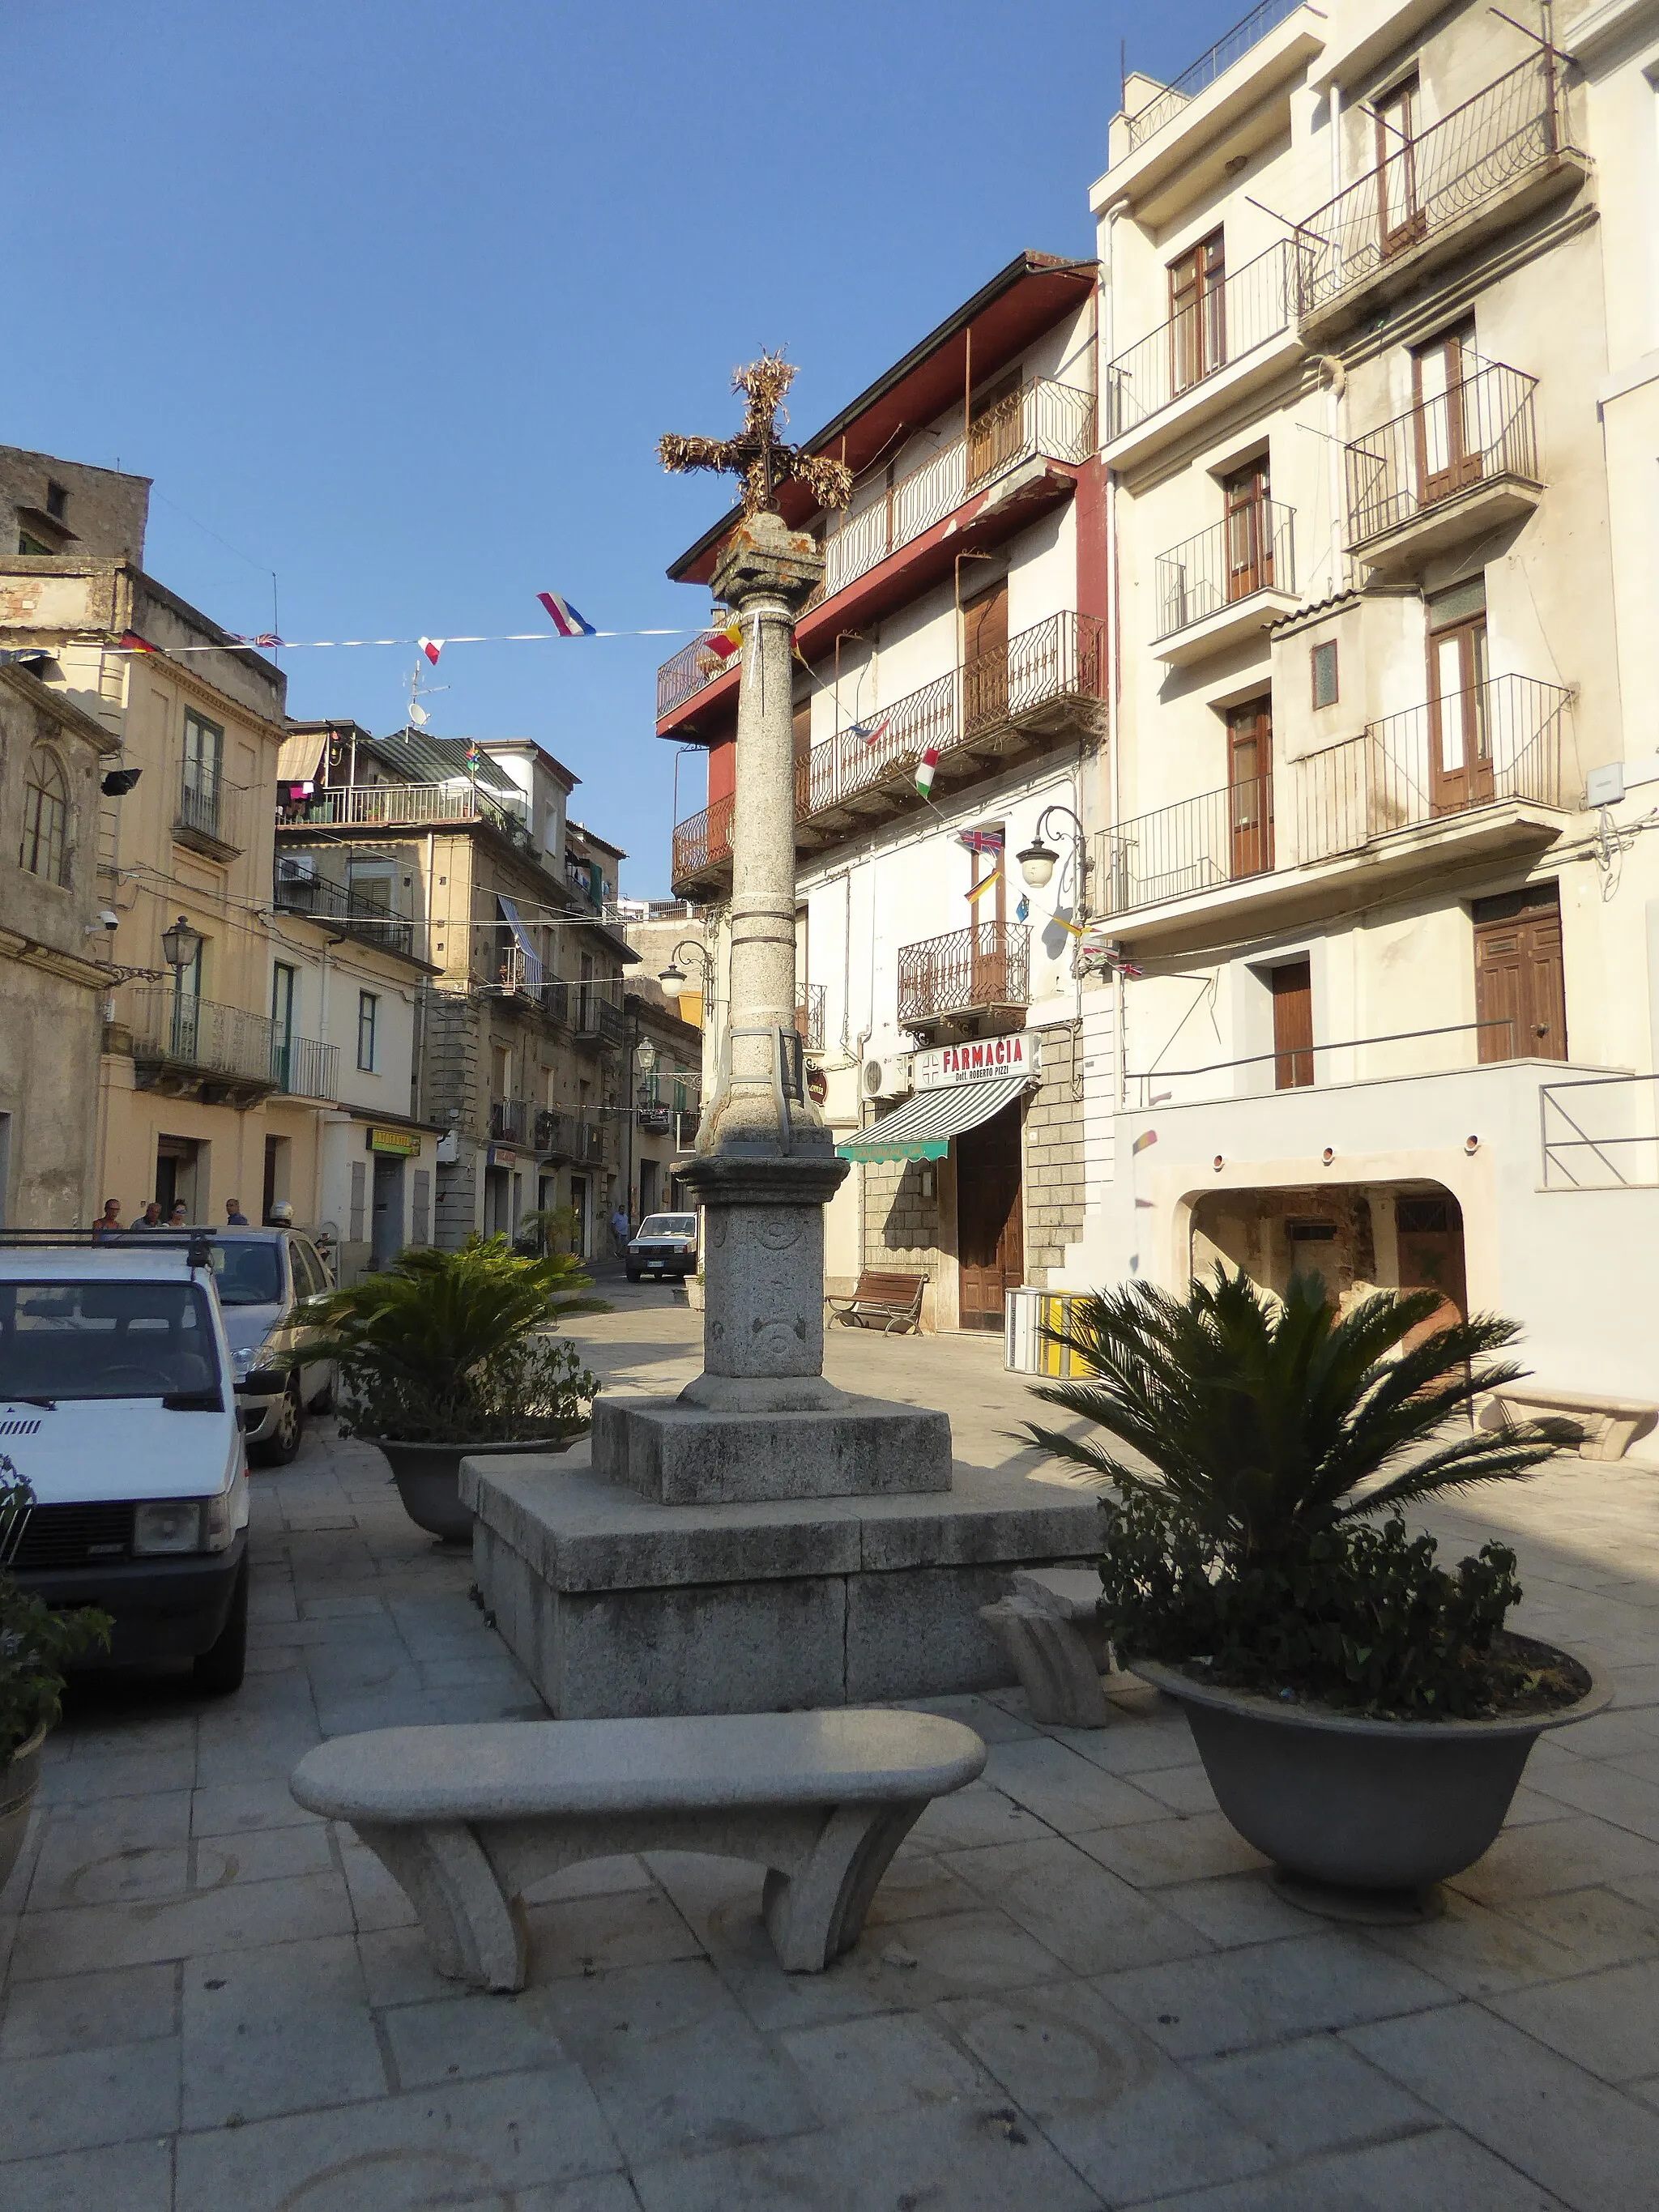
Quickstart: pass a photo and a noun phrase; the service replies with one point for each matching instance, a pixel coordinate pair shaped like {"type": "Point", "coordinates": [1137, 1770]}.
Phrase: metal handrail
{"type": "Point", "coordinates": [1254, 304]}
{"type": "Point", "coordinates": [986, 964]}
{"type": "Point", "coordinates": [1220, 836]}
{"type": "Point", "coordinates": [320, 897]}
{"type": "Point", "coordinates": [1212, 570]}
{"type": "Point", "coordinates": [1450, 170]}
{"type": "Point", "coordinates": [1290, 1052]}
{"type": "Point", "coordinates": [305, 1068]}
{"type": "Point", "coordinates": [1167, 103]}
{"type": "Point", "coordinates": [1600, 1145]}
{"type": "Point", "coordinates": [809, 1015]}
{"type": "Point", "coordinates": [402, 805]}
{"type": "Point", "coordinates": [1480, 428]}
{"type": "Point", "coordinates": [172, 1028]}
{"type": "Point", "coordinates": [209, 808]}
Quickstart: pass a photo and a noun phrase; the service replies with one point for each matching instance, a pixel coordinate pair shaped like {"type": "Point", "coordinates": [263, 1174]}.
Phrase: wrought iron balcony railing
{"type": "Point", "coordinates": [1043, 419]}
{"type": "Point", "coordinates": [1253, 551]}
{"type": "Point", "coordinates": [557, 1133]}
{"type": "Point", "coordinates": [1255, 303]}
{"type": "Point", "coordinates": [987, 964]}
{"type": "Point", "coordinates": [1195, 846]}
{"type": "Point", "coordinates": [1479, 429]}
{"type": "Point", "coordinates": [403, 807]}
{"type": "Point", "coordinates": [511, 1120]}
{"type": "Point", "coordinates": [208, 815]}
{"type": "Point", "coordinates": [305, 1068]}
{"type": "Point", "coordinates": [355, 910]}
{"type": "Point", "coordinates": [1043, 671]}
{"type": "Point", "coordinates": [1168, 102]}
{"type": "Point", "coordinates": [809, 1015]}
{"type": "Point", "coordinates": [1435, 180]}
{"type": "Point", "coordinates": [202, 1036]}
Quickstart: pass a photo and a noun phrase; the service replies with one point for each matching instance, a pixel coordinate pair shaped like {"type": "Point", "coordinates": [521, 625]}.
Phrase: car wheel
{"type": "Point", "coordinates": [283, 1445]}
{"type": "Point", "coordinates": [220, 1669]}
{"type": "Point", "coordinates": [633, 1274]}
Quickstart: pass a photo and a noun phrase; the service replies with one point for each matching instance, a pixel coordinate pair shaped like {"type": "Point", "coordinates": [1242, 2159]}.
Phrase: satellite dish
{"type": "Point", "coordinates": [418, 713]}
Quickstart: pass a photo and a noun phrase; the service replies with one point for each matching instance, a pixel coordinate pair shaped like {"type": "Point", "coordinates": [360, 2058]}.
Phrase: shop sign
{"type": "Point", "coordinates": [499, 1156]}
{"type": "Point", "coordinates": [948, 1065]}
{"type": "Point", "coordinates": [403, 1144]}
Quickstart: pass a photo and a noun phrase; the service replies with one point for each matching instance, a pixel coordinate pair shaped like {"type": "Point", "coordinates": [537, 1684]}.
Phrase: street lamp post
{"type": "Point", "coordinates": [1037, 862]}
{"type": "Point", "coordinates": [181, 946]}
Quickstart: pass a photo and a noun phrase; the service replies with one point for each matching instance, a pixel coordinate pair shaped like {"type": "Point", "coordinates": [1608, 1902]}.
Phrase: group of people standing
{"type": "Point", "coordinates": [109, 1223]}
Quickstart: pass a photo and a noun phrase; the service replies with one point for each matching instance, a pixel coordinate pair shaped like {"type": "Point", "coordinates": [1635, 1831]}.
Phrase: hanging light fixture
{"type": "Point", "coordinates": [1036, 863]}
{"type": "Point", "coordinates": [179, 945]}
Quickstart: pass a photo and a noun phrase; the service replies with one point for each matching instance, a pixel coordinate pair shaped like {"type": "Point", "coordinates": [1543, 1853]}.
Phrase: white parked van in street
{"type": "Point", "coordinates": [118, 1408]}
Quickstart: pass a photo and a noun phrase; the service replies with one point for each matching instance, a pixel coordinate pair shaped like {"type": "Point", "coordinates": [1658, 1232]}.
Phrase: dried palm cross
{"type": "Point", "coordinates": [757, 454]}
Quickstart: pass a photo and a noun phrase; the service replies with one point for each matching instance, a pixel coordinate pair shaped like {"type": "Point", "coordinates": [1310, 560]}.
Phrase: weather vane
{"type": "Point", "coordinates": [757, 454]}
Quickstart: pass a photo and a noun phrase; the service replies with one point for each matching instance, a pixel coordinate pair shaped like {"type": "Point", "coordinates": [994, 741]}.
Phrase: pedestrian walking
{"type": "Point", "coordinates": [619, 1232]}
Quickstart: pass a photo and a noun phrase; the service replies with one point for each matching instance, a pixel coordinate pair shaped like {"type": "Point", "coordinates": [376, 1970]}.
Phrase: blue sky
{"type": "Point", "coordinates": [394, 299]}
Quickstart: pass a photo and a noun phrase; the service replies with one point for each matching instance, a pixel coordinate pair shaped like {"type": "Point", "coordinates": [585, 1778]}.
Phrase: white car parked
{"type": "Point", "coordinates": [117, 1406]}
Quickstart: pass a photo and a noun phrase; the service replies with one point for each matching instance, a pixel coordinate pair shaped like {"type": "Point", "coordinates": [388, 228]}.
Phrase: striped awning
{"type": "Point", "coordinates": [922, 1128]}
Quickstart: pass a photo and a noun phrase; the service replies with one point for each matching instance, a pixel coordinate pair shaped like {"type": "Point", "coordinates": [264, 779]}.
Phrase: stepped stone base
{"type": "Point", "coordinates": [616, 1604]}
{"type": "Point", "coordinates": [679, 1454]}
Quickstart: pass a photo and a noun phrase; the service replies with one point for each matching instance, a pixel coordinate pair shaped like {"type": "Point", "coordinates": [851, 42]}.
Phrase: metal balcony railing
{"type": "Point", "coordinates": [1043, 670]}
{"type": "Point", "coordinates": [1254, 549]}
{"type": "Point", "coordinates": [655, 1119]}
{"type": "Point", "coordinates": [1601, 1132]}
{"type": "Point", "coordinates": [201, 1035]}
{"type": "Point", "coordinates": [809, 1015]}
{"type": "Point", "coordinates": [352, 910]}
{"type": "Point", "coordinates": [557, 1133]}
{"type": "Point", "coordinates": [305, 1068]}
{"type": "Point", "coordinates": [1166, 104]}
{"type": "Point", "coordinates": [1255, 303]}
{"type": "Point", "coordinates": [590, 1140]}
{"type": "Point", "coordinates": [1196, 845]}
{"type": "Point", "coordinates": [511, 1120]}
{"type": "Point", "coordinates": [1043, 419]}
{"type": "Point", "coordinates": [986, 964]}
{"type": "Point", "coordinates": [1482, 428]}
{"type": "Point", "coordinates": [1429, 183]}
{"type": "Point", "coordinates": [208, 814]}
{"type": "Point", "coordinates": [404, 806]}
{"type": "Point", "coordinates": [1497, 741]}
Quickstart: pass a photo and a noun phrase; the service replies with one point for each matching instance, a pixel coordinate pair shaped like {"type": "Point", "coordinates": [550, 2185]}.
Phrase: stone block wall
{"type": "Point", "coordinates": [1055, 1188]}
{"type": "Point", "coordinates": [901, 1227]}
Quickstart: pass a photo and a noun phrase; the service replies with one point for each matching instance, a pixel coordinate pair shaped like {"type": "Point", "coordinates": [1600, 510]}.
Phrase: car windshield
{"type": "Point", "coordinates": [248, 1270]}
{"type": "Point", "coordinates": [669, 1225]}
{"type": "Point", "coordinates": [104, 1340]}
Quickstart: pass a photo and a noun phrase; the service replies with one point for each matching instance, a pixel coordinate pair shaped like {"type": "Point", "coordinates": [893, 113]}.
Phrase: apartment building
{"type": "Point", "coordinates": [520, 1053]}
{"type": "Point", "coordinates": [959, 632]}
{"type": "Point", "coordinates": [1372, 828]}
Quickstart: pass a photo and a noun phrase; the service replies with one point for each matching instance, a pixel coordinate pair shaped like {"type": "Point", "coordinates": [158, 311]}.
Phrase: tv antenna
{"type": "Point", "coordinates": [418, 691]}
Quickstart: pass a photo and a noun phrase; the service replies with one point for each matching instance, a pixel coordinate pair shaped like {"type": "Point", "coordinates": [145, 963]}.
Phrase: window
{"type": "Point", "coordinates": [57, 501]}
{"type": "Point", "coordinates": [1322, 660]}
{"type": "Point", "coordinates": [45, 850]}
{"type": "Point", "coordinates": [1399, 217]}
{"type": "Point", "coordinates": [1460, 738]}
{"type": "Point", "coordinates": [282, 981]}
{"type": "Point", "coordinates": [199, 791]}
{"type": "Point", "coordinates": [1198, 313]}
{"type": "Point", "coordinates": [1249, 531]}
{"type": "Point", "coordinates": [368, 1017]}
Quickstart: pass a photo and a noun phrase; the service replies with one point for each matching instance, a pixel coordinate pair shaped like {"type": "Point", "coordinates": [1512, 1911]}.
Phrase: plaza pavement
{"type": "Point", "coordinates": [1076, 1987]}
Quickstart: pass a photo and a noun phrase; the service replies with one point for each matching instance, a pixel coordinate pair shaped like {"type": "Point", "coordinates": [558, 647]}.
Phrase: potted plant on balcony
{"type": "Point", "coordinates": [36, 1645]}
{"type": "Point", "coordinates": [1363, 1714]}
{"type": "Point", "coordinates": [450, 1354]}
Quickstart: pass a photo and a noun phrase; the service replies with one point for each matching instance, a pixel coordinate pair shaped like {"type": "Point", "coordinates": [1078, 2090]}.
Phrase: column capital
{"type": "Point", "coordinates": [763, 558]}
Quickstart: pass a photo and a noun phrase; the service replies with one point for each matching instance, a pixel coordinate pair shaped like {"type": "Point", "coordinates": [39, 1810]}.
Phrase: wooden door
{"type": "Point", "coordinates": [1520, 988]}
{"type": "Point", "coordinates": [1293, 1036]}
{"type": "Point", "coordinates": [1401, 222]}
{"type": "Point", "coordinates": [1429, 1237]}
{"type": "Point", "coordinates": [1250, 787]}
{"type": "Point", "coordinates": [1249, 538]}
{"type": "Point", "coordinates": [985, 659]}
{"type": "Point", "coordinates": [1198, 313]}
{"type": "Point", "coordinates": [1448, 441]}
{"type": "Point", "coordinates": [1460, 739]}
{"type": "Point", "coordinates": [989, 934]}
{"type": "Point", "coordinates": [995, 428]}
{"type": "Point", "coordinates": [990, 1220]}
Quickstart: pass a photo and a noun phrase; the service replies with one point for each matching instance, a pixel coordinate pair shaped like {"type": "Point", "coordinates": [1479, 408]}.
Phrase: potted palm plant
{"type": "Point", "coordinates": [1362, 1712]}
{"type": "Point", "coordinates": [36, 1645]}
{"type": "Point", "coordinates": [447, 1355]}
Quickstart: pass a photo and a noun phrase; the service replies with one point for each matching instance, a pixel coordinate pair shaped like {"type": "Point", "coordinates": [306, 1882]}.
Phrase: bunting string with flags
{"type": "Point", "coordinates": [978, 891]}
{"type": "Point", "coordinates": [566, 620]}
{"type": "Point", "coordinates": [432, 646]}
{"type": "Point", "coordinates": [564, 617]}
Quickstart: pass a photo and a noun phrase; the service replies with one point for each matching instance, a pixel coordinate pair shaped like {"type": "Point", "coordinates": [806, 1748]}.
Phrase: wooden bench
{"type": "Point", "coordinates": [467, 1819]}
{"type": "Point", "coordinates": [1609, 1426]}
{"type": "Point", "coordinates": [881, 1301]}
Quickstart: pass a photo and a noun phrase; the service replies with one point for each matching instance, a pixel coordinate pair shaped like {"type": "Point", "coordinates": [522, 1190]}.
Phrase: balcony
{"type": "Point", "coordinates": [1043, 421]}
{"type": "Point", "coordinates": [384, 806]}
{"type": "Point", "coordinates": [809, 1015]}
{"type": "Point", "coordinates": [557, 1133]}
{"type": "Point", "coordinates": [654, 1119]}
{"type": "Point", "coordinates": [1172, 100]}
{"type": "Point", "coordinates": [1602, 1132]}
{"type": "Point", "coordinates": [1487, 164]}
{"type": "Point", "coordinates": [305, 1068]}
{"type": "Point", "coordinates": [1236, 337]}
{"type": "Point", "coordinates": [592, 1015]}
{"type": "Point", "coordinates": [190, 1046]}
{"type": "Point", "coordinates": [346, 908]}
{"type": "Point", "coordinates": [1224, 586]}
{"type": "Point", "coordinates": [985, 969]}
{"type": "Point", "coordinates": [1453, 467]}
{"type": "Point", "coordinates": [511, 1121]}
{"type": "Point", "coordinates": [1279, 848]}
{"type": "Point", "coordinates": [209, 817]}
{"type": "Point", "coordinates": [991, 708]}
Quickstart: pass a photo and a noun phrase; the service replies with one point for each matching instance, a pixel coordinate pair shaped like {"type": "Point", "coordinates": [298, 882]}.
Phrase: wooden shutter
{"type": "Point", "coordinates": [985, 658]}
{"type": "Point", "coordinates": [1293, 1064]}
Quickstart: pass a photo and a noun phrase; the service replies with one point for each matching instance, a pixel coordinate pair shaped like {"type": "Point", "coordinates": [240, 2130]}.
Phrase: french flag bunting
{"type": "Point", "coordinates": [564, 617]}
{"type": "Point", "coordinates": [872, 734]}
{"type": "Point", "coordinates": [432, 646]}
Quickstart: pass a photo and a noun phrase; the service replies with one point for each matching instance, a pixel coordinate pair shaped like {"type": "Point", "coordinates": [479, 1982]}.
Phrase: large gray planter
{"type": "Point", "coordinates": [20, 1777]}
{"type": "Point", "coordinates": [1360, 1804]}
{"type": "Point", "coordinates": [428, 1477]}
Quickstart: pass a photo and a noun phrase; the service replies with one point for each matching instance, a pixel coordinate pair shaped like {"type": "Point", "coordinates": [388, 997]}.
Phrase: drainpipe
{"type": "Point", "coordinates": [1114, 636]}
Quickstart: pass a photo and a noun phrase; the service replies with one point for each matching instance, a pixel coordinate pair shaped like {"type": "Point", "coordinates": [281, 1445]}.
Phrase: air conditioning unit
{"type": "Point", "coordinates": [892, 1078]}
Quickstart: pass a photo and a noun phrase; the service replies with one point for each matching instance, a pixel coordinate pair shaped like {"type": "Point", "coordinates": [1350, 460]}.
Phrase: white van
{"type": "Point", "coordinates": [117, 1406]}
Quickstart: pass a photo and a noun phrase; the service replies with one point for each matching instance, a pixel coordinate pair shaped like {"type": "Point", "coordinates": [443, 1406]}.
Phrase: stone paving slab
{"type": "Point", "coordinates": [1075, 1987]}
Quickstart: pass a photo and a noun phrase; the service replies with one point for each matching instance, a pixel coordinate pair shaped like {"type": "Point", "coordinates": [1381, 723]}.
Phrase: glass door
{"type": "Point", "coordinates": [1400, 221]}
{"type": "Point", "coordinates": [1249, 539]}
{"type": "Point", "coordinates": [1460, 738]}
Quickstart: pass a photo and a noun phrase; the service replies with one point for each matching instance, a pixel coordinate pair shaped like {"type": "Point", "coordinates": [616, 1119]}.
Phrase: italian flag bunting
{"type": "Point", "coordinates": [925, 768]}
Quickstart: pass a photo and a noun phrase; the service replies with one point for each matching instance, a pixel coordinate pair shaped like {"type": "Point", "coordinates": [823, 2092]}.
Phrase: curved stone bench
{"type": "Point", "coordinates": [467, 1819]}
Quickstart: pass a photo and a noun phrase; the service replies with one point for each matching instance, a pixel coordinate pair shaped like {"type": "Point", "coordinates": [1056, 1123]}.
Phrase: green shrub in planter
{"type": "Point", "coordinates": [1265, 1438]}
{"type": "Point", "coordinates": [36, 1643]}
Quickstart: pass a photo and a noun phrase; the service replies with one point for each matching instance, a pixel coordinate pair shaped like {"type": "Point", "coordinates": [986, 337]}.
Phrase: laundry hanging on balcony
{"type": "Point", "coordinates": [922, 1128]}
{"type": "Point", "coordinates": [533, 959]}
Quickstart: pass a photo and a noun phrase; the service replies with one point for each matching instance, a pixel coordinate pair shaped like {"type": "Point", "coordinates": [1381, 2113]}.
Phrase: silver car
{"type": "Point", "coordinates": [267, 1279]}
